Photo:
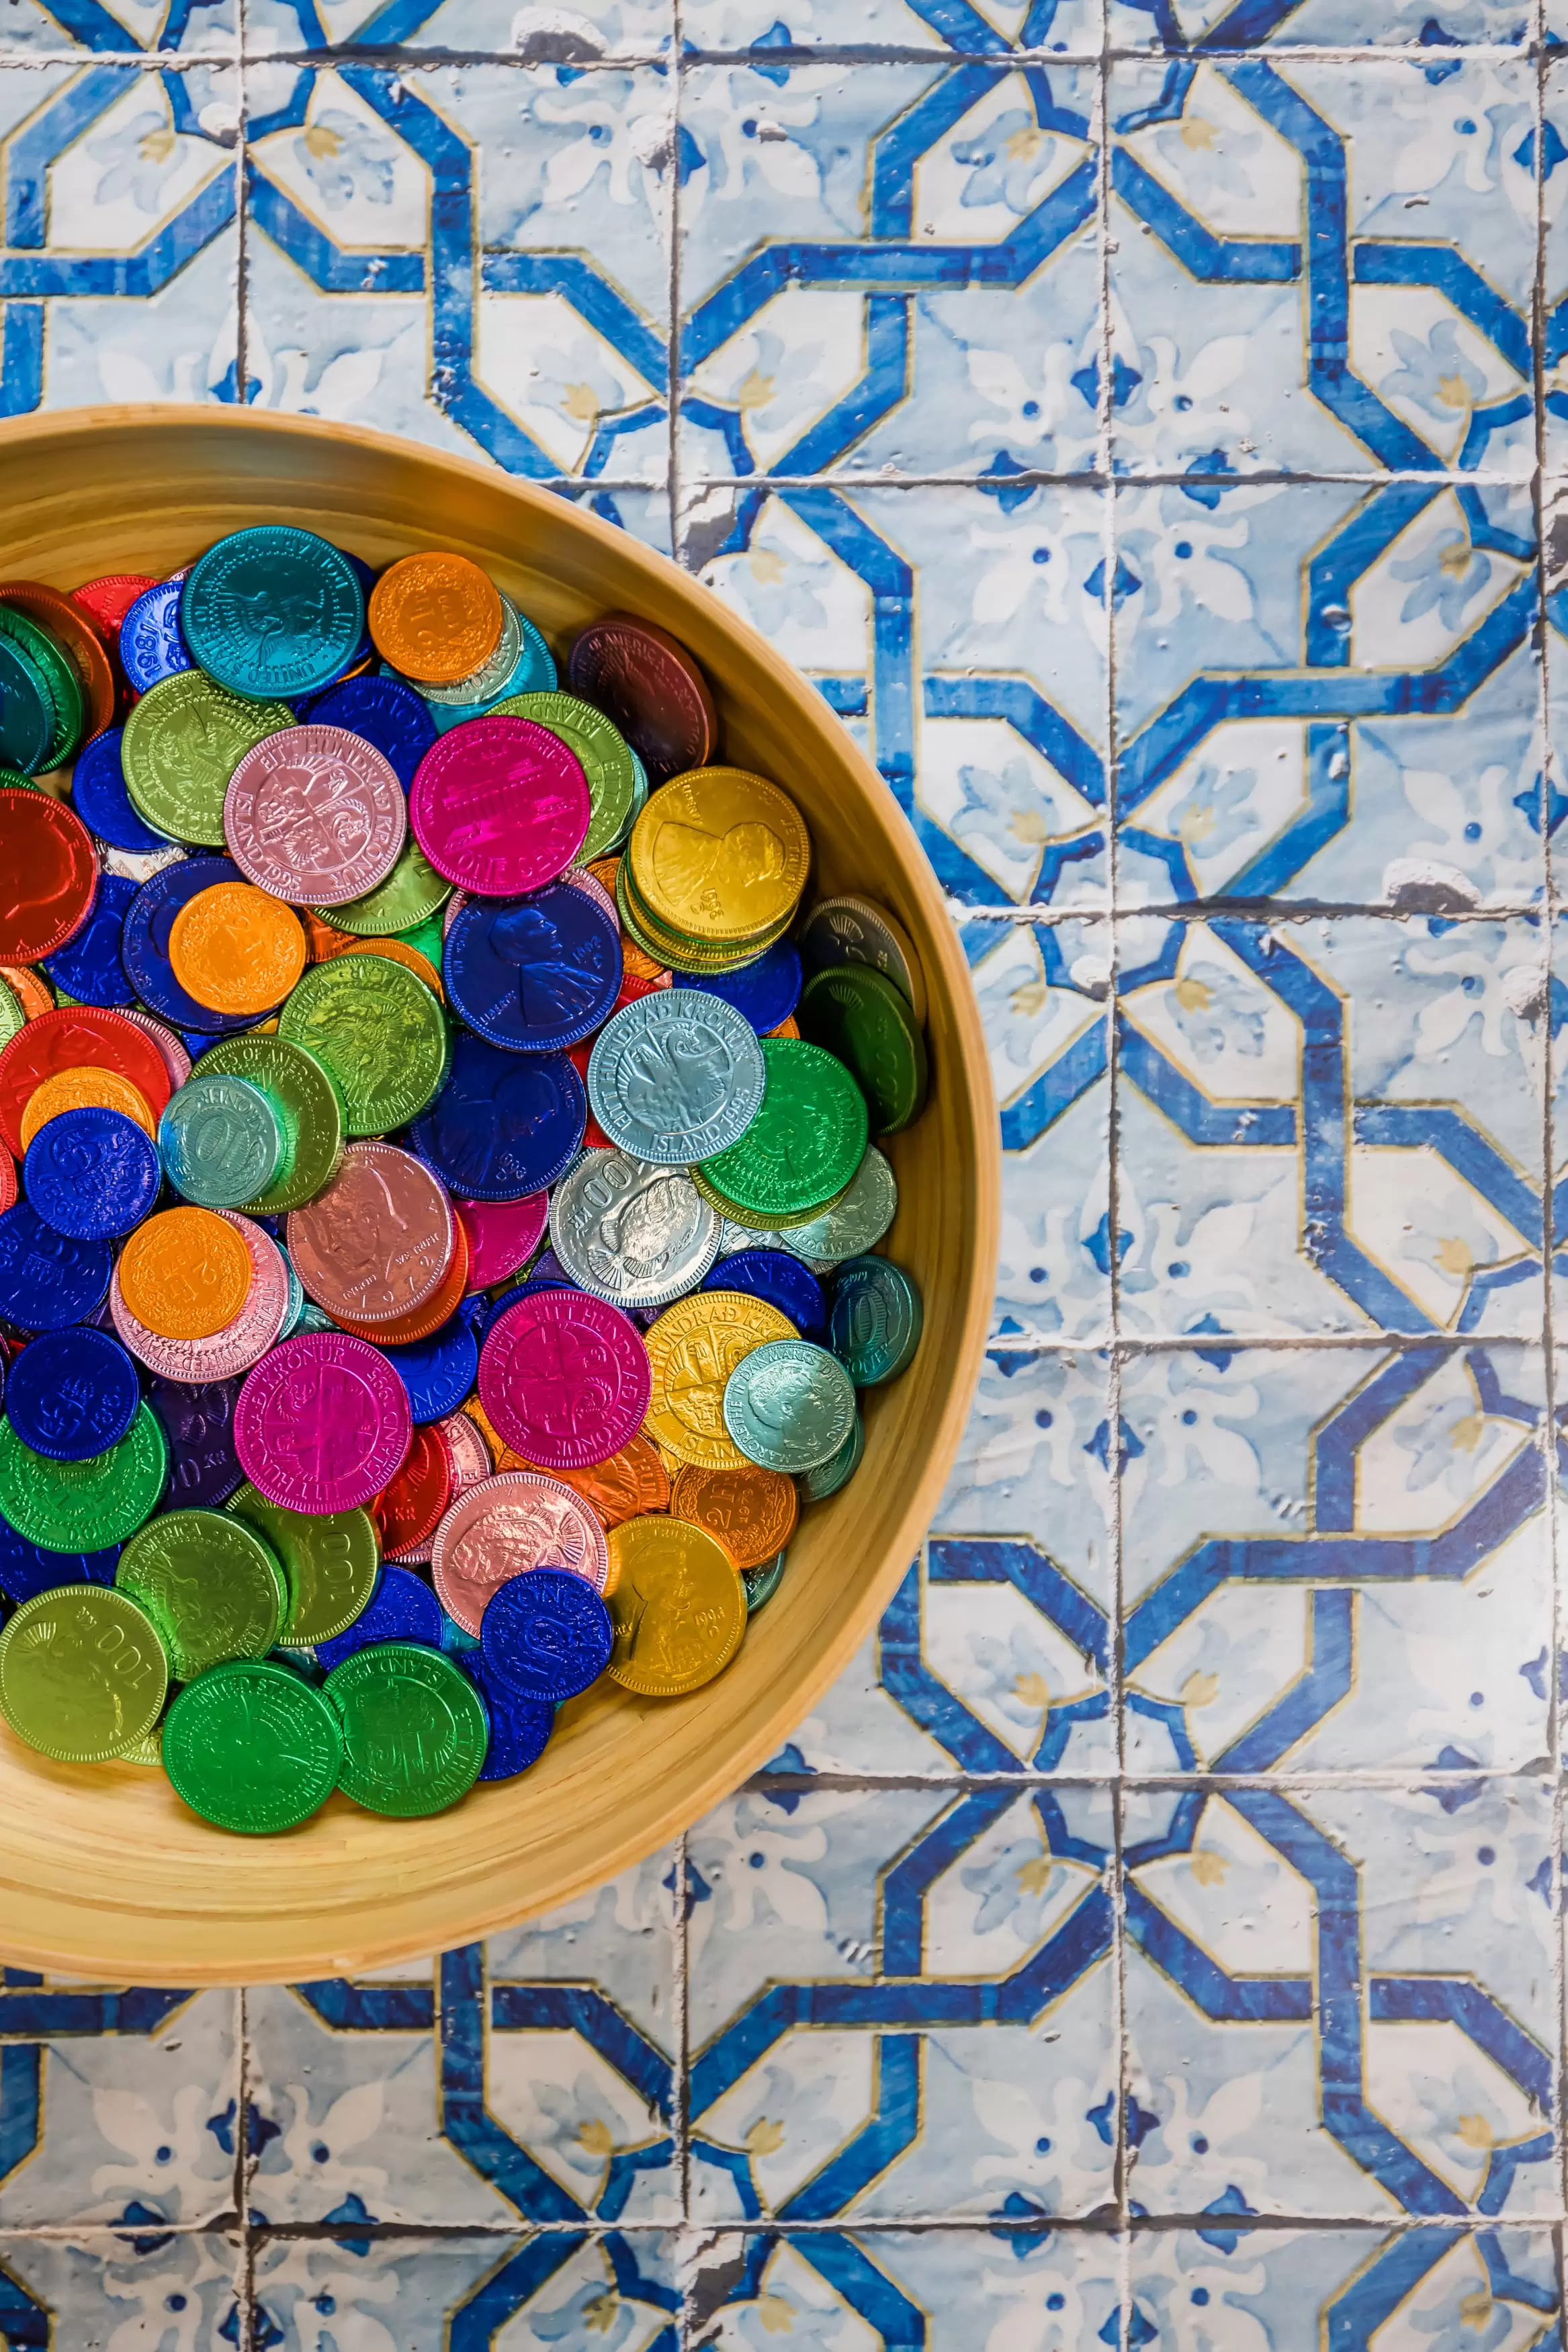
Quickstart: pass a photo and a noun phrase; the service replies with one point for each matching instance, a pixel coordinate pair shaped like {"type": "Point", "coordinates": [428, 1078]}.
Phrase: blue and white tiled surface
{"type": "Point", "coordinates": [1149, 424]}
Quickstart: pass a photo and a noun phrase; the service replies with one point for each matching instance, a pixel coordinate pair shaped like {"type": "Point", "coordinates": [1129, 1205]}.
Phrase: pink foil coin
{"type": "Point", "coordinates": [565, 1379]}
{"type": "Point", "coordinates": [502, 1235]}
{"type": "Point", "coordinates": [502, 1529]}
{"type": "Point", "coordinates": [240, 1344]}
{"type": "Point", "coordinates": [176, 1061]}
{"type": "Point", "coordinates": [499, 805]}
{"type": "Point", "coordinates": [316, 816]}
{"type": "Point", "coordinates": [322, 1423]}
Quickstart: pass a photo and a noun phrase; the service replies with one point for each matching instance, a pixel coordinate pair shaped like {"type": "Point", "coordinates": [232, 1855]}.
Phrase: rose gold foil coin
{"type": "Point", "coordinates": [470, 1463]}
{"type": "Point", "coordinates": [402, 1331]}
{"type": "Point", "coordinates": [509, 1524]}
{"type": "Point", "coordinates": [376, 1242]}
{"type": "Point", "coordinates": [315, 814]}
{"type": "Point", "coordinates": [240, 1344]}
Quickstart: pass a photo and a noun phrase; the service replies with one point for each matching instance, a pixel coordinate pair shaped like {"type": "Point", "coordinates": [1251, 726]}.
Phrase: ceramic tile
{"type": "Point", "coordinates": [967, 629]}
{"type": "Point", "coordinates": [901, 2004]}
{"type": "Point", "coordinates": [1414, 1929]}
{"type": "Point", "coordinates": [489, 2084]}
{"type": "Point", "coordinates": [891, 271]}
{"type": "Point", "coordinates": [104, 2294]}
{"type": "Point", "coordinates": [1331, 1126]}
{"type": "Point", "coordinates": [115, 2105]}
{"type": "Point", "coordinates": [1284, 25]}
{"type": "Point", "coordinates": [571, 40]}
{"type": "Point", "coordinates": [1335, 1560]}
{"type": "Point", "coordinates": [979, 28]}
{"type": "Point", "coordinates": [533, 2294]}
{"type": "Point", "coordinates": [83, 28]}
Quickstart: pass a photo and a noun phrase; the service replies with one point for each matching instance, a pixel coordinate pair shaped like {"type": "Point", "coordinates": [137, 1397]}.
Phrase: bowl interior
{"type": "Point", "coordinates": [103, 1871]}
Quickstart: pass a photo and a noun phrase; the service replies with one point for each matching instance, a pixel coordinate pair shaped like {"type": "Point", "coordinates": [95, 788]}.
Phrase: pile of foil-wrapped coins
{"type": "Point", "coordinates": [442, 1260]}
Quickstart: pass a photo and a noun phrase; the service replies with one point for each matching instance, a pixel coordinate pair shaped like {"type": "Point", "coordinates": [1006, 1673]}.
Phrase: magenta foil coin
{"type": "Point", "coordinates": [565, 1379]}
{"type": "Point", "coordinates": [322, 1423]}
{"type": "Point", "coordinates": [502, 1235]}
{"type": "Point", "coordinates": [499, 805]}
{"type": "Point", "coordinates": [471, 1462]}
{"type": "Point", "coordinates": [503, 1527]}
{"type": "Point", "coordinates": [316, 816]}
{"type": "Point", "coordinates": [240, 1344]}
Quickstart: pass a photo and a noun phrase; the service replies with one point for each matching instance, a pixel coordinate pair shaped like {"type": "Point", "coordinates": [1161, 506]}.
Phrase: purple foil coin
{"type": "Point", "coordinates": [198, 1422]}
{"type": "Point", "coordinates": [322, 1423]}
{"type": "Point", "coordinates": [500, 806]}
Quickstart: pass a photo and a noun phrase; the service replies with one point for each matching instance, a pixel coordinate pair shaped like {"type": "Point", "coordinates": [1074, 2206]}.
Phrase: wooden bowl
{"type": "Point", "coordinates": [103, 1871]}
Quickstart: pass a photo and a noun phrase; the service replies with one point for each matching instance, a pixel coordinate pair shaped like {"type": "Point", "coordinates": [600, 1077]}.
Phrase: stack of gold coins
{"type": "Point", "coordinates": [714, 870]}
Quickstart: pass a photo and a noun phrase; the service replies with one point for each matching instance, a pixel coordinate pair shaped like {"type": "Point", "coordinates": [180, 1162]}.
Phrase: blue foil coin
{"type": "Point", "coordinates": [72, 1393]}
{"type": "Point", "coordinates": [91, 1174]}
{"type": "Point", "coordinates": [26, 1570]}
{"type": "Point", "coordinates": [504, 1124]}
{"type": "Point", "coordinates": [767, 992]}
{"type": "Point", "coordinates": [151, 644]}
{"type": "Point", "coordinates": [437, 1372]}
{"type": "Point", "coordinates": [89, 966]}
{"type": "Point", "coordinates": [103, 801]}
{"type": "Point", "coordinates": [385, 713]}
{"type": "Point", "coordinates": [198, 1422]}
{"type": "Point", "coordinates": [536, 973]}
{"type": "Point", "coordinates": [400, 1609]}
{"type": "Point", "coordinates": [47, 1280]}
{"type": "Point", "coordinates": [783, 1281]}
{"type": "Point", "coordinates": [144, 948]}
{"type": "Point", "coordinates": [545, 1635]}
{"type": "Point", "coordinates": [273, 611]}
{"type": "Point", "coordinates": [519, 1727]}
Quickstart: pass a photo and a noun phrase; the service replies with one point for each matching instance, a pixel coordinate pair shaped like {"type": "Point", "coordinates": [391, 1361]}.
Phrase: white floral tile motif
{"type": "Point", "coordinates": [1283, 24]}
{"type": "Point", "coordinates": [1331, 1126]}
{"type": "Point", "coordinates": [988, 29]}
{"type": "Point", "coordinates": [118, 2106]}
{"type": "Point", "coordinates": [531, 32]}
{"type": "Point", "coordinates": [949, 1952]}
{"type": "Point", "coordinates": [537, 2293]}
{"type": "Point", "coordinates": [157, 2288]}
{"type": "Point", "coordinates": [1336, 1560]}
{"type": "Point", "coordinates": [1415, 1927]}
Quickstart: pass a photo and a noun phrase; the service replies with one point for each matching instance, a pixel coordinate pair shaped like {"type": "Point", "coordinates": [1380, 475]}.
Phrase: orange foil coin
{"type": "Point", "coordinates": [629, 1486]}
{"type": "Point", "coordinates": [435, 617]}
{"type": "Point", "coordinates": [31, 994]}
{"type": "Point", "coordinates": [326, 943]}
{"type": "Point", "coordinates": [185, 1273]}
{"type": "Point", "coordinates": [236, 948]}
{"type": "Point", "coordinates": [752, 1512]}
{"type": "Point", "coordinates": [85, 1089]}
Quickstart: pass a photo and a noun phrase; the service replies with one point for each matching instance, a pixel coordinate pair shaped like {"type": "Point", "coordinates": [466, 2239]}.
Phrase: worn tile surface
{"type": "Point", "coordinates": [1148, 426]}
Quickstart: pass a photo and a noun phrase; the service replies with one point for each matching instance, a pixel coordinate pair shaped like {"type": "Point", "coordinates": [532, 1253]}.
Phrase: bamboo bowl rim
{"type": "Point", "coordinates": [103, 1874]}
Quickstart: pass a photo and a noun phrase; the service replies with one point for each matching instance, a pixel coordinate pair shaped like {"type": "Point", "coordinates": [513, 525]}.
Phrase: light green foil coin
{"type": "Point", "coordinates": [804, 1145]}
{"type": "Point", "coordinates": [607, 761]}
{"type": "Point", "coordinates": [147, 1752]}
{"type": "Point", "coordinates": [875, 1327]}
{"type": "Point", "coordinates": [414, 1729]}
{"type": "Point", "coordinates": [377, 1032]}
{"type": "Point", "coordinates": [838, 1469]}
{"type": "Point", "coordinates": [307, 1102]}
{"type": "Point", "coordinates": [83, 1676]}
{"type": "Point", "coordinates": [252, 1747]}
{"type": "Point", "coordinates": [12, 1017]}
{"type": "Point", "coordinates": [762, 1583]}
{"type": "Point", "coordinates": [411, 892]}
{"type": "Point", "coordinates": [210, 1584]}
{"type": "Point", "coordinates": [220, 1141]}
{"type": "Point", "coordinates": [331, 1563]}
{"type": "Point", "coordinates": [84, 1506]}
{"type": "Point", "coordinates": [788, 1405]}
{"type": "Point", "coordinates": [183, 743]}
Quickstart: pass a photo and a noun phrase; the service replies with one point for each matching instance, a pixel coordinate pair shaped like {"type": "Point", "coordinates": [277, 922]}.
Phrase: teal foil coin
{"type": "Point", "coordinates": [852, 1225]}
{"type": "Point", "coordinates": [875, 1327]}
{"type": "Point", "coordinates": [788, 1405]}
{"type": "Point", "coordinates": [838, 1469]}
{"type": "Point", "coordinates": [273, 611]}
{"type": "Point", "coordinates": [762, 1583]}
{"type": "Point", "coordinates": [221, 1141]}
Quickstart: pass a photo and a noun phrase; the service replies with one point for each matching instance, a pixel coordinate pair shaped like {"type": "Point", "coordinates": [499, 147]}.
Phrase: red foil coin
{"type": "Point", "coordinates": [74, 1037]}
{"type": "Point", "coordinates": [48, 876]}
{"type": "Point", "coordinates": [408, 1511]}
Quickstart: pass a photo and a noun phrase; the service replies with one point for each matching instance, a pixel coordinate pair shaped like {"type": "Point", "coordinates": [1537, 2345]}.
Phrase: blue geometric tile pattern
{"type": "Point", "coordinates": [1147, 423]}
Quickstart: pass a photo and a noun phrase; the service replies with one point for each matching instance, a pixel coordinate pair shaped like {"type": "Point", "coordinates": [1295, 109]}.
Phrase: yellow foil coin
{"type": "Point", "coordinates": [678, 1605]}
{"type": "Point", "coordinates": [692, 1350]}
{"type": "Point", "coordinates": [85, 1089]}
{"type": "Point", "coordinates": [236, 948]}
{"type": "Point", "coordinates": [720, 854]}
{"type": "Point", "coordinates": [185, 1274]}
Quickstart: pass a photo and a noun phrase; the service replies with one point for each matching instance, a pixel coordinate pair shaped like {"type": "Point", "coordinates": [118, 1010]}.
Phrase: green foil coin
{"type": "Point", "coordinates": [762, 1583]}
{"type": "Point", "coordinates": [12, 1017]}
{"type": "Point", "coordinates": [607, 760]}
{"type": "Point", "coordinates": [26, 710]}
{"type": "Point", "coordinates": [60, 681]}
{"type": "Point", "coordinates": [83, 1676]}
{"type": "Point", "coordinates": [307, 1102]}
{"type": "Point", "coordinates": [414, 1729]}
{"type": "Point", "coordinates": [211, 1585]}
{"type": "Point", "coordinates": [84, 1506]}
{"type": "Point", "coordinates": [838, 1469]}
{"type": "Point", "coordinates": [805, 1143]}
{"type": "Point", "coordinates": [875, 1327]}
{"type": "Point", "coordinates": [788, 1405]}
{"type": "Point", "coordinates": [411, 893]}
{"type": "Point", "coordinates": [331, 1562]}
{"type": "Point", "coordinates": [252, 1747]}
{"type": "Point", "coordinates": [273, 610]}
{"type": "Point", "coordinates": [220, 1141]}
{"type": "Point", "coordinates": [182, 743]}
{"type": "Point", "coordinates": [860, 1017]}
{"type": "Point", "coordinates": [377, 1032]}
